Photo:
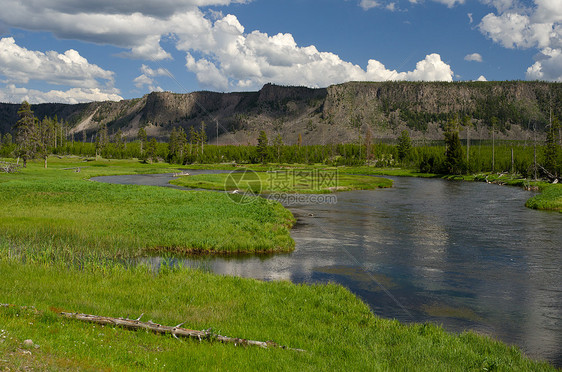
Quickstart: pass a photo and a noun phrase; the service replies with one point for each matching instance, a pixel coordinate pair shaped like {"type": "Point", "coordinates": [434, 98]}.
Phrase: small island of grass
{"type": "Point", "coordinates": [294, 180]}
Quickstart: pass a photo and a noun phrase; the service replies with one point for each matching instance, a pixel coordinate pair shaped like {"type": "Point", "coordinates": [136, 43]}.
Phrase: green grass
{"type": "Point", "coordinates": [335, 328]}
{"type": "Point", "coordinates": [62, 209]}
{"type": "Point", "coordinates": [550, 198]}
{"type": "Point", "coordinates": [305, 181]}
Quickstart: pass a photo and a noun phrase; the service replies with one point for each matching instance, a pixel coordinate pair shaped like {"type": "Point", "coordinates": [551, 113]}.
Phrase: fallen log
{"type": "Point", "coordinates": [177, 331]}
{"type": "Point", "coordinates": [9, 167]}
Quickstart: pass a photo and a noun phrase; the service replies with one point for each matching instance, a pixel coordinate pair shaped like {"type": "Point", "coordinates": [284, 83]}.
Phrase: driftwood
{"type": "Point", "coordinates": [176, 331]}
{"type": "Point", "coordinates": [9, 167]}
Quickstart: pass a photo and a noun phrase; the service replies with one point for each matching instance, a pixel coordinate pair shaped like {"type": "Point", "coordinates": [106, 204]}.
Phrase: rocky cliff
{"type": "Point", "coordinates": [339, 113]}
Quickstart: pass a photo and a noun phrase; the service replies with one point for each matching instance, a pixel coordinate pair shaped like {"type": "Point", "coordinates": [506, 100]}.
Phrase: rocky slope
{"type": "Point", "coordinates": [339, 113]}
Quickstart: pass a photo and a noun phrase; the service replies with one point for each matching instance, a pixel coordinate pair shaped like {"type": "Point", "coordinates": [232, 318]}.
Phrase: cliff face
{"type": "Point", "coordinates": [339, 113]}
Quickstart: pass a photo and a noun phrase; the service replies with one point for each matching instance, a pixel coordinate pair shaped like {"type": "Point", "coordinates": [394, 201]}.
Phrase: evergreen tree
{"type": "Point", "coordinates": [202, 136]}
{"type": "Point", "coordinates": [368, 143]}
{"type": "Point", "coordinates": [552, 149]}
{"type": "Point", "coordinates": [404, 146]}
{"type": "Point", "coordinates": [46, 136]}
{"type": "Point", "coordinates": [453, 154]}
{"type": "Point", "coordinates": [151, 150]}
{"type": "Point", "coordinates": [182, 142]}
{"type": "Point", "coordinates": [494, 122]}
{"type": "Point", "coordinates": [467, 124]}
{"type": "Point", "coordinates": [278, 145]}
{"type": "Point", "coordinates": [26, 133]}
{"type": "Point", "coordinates": [262, 147]}
{"type": "Point", "coordinates": [102, 139]}
{"type": "Point", "coordinates": [120, 143]}
{"type": "Point", "coordinates": [142, 138]}
{"type": "Point", "coordinates": [173, 146]}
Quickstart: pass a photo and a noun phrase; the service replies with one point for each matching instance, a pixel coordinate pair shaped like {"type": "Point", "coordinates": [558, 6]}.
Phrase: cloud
{"type": "Point", "coordinates": [11, 93]}
{"type": "Point", "coordinates": [533, 27]}
{"type": "Point", "coordinates": [136, 25]}
{"type": "Point", "coordinates": [547, 67]}
{"type": "Point", "coordinates": [450, 3]}
{"type": "Point", "coordinates": [369, 4]}
{"type": "Point", "coordinates": [218, 50]}
{"type": "Point", "coordinates": [147, 78]}
{"type": "Point", "coordinates": [481, 78]}
{"type": "Point", "coordinates": [391, 7]}
{"type": "Point", "coordinates": [474, 57]}
{"type": "Point", "coordinates": [21, 65]}
{"type": "Point", "coordinates": [232, 59]}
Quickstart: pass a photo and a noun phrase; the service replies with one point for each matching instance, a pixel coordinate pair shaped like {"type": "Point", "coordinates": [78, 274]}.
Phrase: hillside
{"type": "Point", "coordinates": [339, 113]}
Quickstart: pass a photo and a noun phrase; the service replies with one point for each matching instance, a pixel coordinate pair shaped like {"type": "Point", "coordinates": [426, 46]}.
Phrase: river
{"type": "Point", "coordinates": [466, 255]}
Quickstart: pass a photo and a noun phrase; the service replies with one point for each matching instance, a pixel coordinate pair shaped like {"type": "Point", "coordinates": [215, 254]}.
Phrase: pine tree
{"type": "Point", "coordinates": [494, 122]}
{"type": "Point", "coordinates": [151, 150]}
{"type": "Point", "coordinates": [467, 123]}
{"type": "Point", "coordinates": [453, 154]}
{"type": "Point", "coordinates": [404, 146]}
{"type": "Point", "coordinates": [142, 138]}
{"type": "Point", "coordinates": [46, 136]}
{"type": "Point", "coordinates": [262, 147]}
{"type": "Point", "coordinates": [202, 136]}
{"type": "Point", "coordinates": [552, 149]}
{"type": "Point", "coordinates": [368, 143]}
{"type": "Point", "coordinates": [102, 139]}
{"type": "Point", "coordinates": [173, 145]}
{"type": "Point", "coordinates": [26, 133]}
{"type": "Point", "coordinates": [278, 145]}
{"type": "Point", "coordinates": [120, 142]}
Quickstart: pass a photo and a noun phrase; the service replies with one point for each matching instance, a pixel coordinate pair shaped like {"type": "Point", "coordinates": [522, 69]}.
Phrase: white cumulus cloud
{"type": "Point", "coordinates": [147, 78]}
{"type": "Point", "coordinates": [14, 94]}
{"type": "Point", "coordinates": [21, 65]}
{"type": "Point", "coordinates": [474, 57]}
{"type": "Point", "coordinates": [450, 3]}
{"type": "Point", "coordinates": [538, 26]}
{"type": "Point", "coordinates": [232, 59]}
{"type": "Point", "coordinates": [368, 4]}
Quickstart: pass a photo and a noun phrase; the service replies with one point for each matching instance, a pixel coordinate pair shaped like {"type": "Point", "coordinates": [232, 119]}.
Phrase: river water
{"type": "Point", "coordinates": [465, 255]}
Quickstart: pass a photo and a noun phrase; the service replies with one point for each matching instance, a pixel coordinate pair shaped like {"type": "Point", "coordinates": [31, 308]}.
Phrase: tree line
{"type": "Point", "coordinates": [38, 138]}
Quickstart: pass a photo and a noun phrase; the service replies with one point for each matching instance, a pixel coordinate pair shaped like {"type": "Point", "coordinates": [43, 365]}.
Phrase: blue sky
{"type": "Point", "coordinates": [76, 51]}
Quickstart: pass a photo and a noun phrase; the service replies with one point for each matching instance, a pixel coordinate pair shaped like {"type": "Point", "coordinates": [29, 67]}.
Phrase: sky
{"type": "Point", "coordinates": [75, 51]}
